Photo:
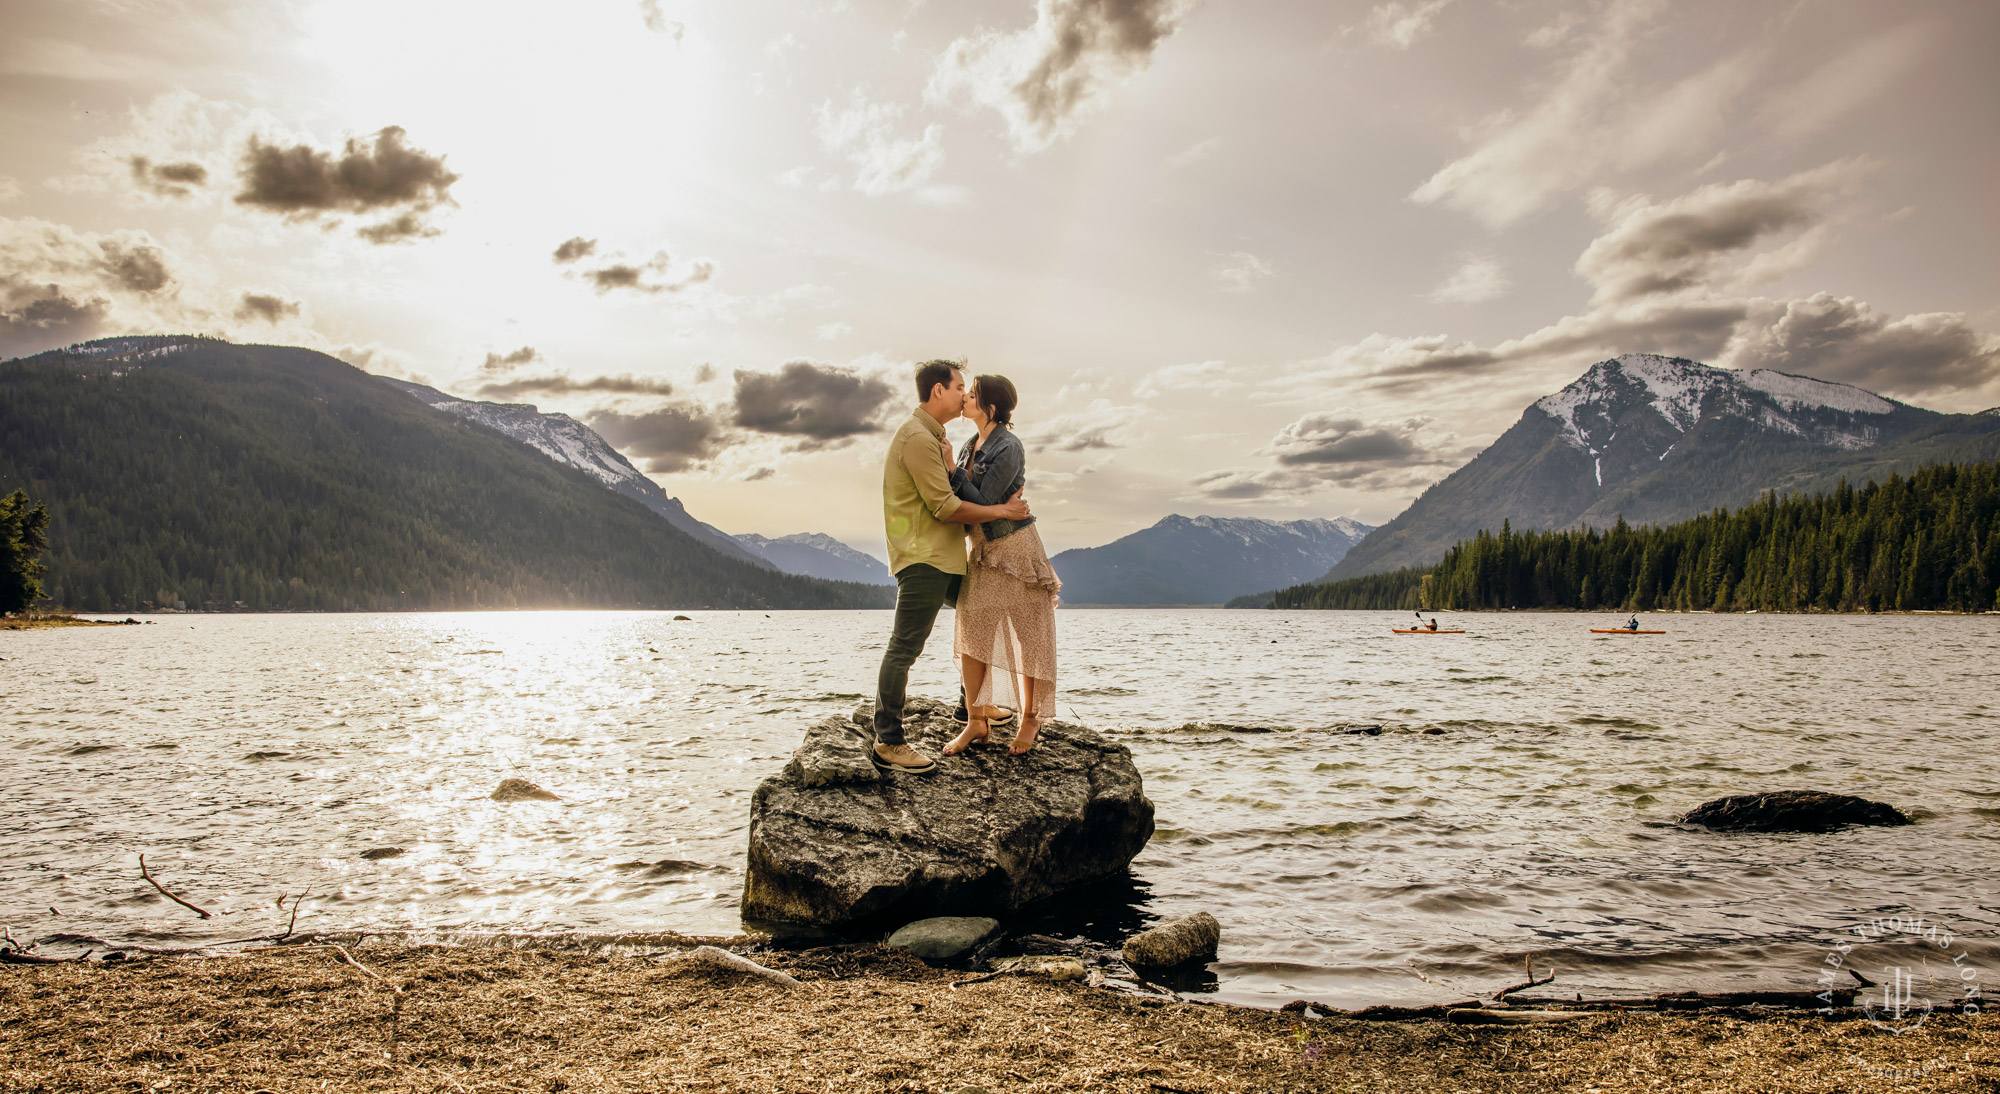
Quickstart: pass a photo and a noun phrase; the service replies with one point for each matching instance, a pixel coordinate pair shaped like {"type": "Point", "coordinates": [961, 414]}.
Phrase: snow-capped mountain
{"type": "Point", "coordinates": [816, 554]}
{"type": "Point", "coordinates": [1659, 439]}
{"type": "Point", "coordinates": [1204, 560]}
{"type": "Point", "coordinates": [568, 441]}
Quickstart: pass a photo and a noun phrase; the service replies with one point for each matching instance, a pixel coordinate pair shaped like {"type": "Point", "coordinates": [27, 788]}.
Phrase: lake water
{"type": "Point", "coordinates": [253, 756]}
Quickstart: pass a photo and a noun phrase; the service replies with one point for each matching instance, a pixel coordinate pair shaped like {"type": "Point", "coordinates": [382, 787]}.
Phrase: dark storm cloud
{"type": "Point", "coordinates": [672, 438]}
{"type": "Point", "coordinates": [168, 180]}
{"type": "Point", "coordinates": [302, 182]}
{"type": "Point", "coordinates": [261, 306]}
{"type": "Point", "coordinates": [140, 268]}
{"type": "Point", "coordinates": [809, 400]}
{"type": "Point", "coordinates": [1321, 450]}
{"type": "Point", "coordinates": [38, 317]}
{"type": "Point", "coordinates": [1842, 339]}
{"type": "Point", "coordinates": [574, 248]}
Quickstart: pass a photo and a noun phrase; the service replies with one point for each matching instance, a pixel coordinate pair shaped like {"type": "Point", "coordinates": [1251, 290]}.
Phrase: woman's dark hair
{"type": "Point", "coordinates": [996, 395]}
{"type": "Point", "coordinates": [932, 373]}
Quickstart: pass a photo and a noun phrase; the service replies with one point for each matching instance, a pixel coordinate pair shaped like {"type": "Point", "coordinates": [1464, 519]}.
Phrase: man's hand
{"type": "Point", "coordinates": [1016, 507]}
{"type": "Point", "coordinates": [949, 459]}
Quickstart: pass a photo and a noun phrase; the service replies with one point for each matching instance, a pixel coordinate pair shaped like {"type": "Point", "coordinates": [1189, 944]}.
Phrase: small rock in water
{"type": "Point", "coordinates": [1793, 811]}
{"type": "Point", "coordinates": [521, 790]}
{"type": "Point", "coordinates": [1187, 939]}
{"type": "Point", "coordinates": [683, 619]}
{"type": "Point", "coordinates": [944, 937]}
{"type": "Point", "coordinates": [376, 853]}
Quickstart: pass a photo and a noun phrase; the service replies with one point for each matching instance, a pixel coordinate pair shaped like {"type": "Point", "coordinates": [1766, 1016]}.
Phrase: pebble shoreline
{"type": "Point", "coordinates": [427, 1018]}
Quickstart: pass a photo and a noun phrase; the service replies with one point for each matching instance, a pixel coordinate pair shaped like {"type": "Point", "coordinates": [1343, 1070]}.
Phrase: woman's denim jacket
{"type": "Point", "coordinates": [989, 475]}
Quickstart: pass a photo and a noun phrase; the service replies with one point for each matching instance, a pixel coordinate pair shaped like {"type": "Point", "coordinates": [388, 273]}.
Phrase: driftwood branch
{"type": "Point", "coordinates": [147, 874]}
{"type": "Point", "coordinates": [396, 1004]}
{"type": "Point", "coordinates": [721, 958]}
{"type": "Point", "coordinates": [1530, 983]}
{"type": "Point", "coordinates": [295, 913]}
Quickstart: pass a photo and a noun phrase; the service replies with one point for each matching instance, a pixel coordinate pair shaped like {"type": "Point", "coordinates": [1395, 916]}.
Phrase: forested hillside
{"type": "Point", "coordinates": [1927, 542]}
{"type": "Point", "coordinates": [196, 472]}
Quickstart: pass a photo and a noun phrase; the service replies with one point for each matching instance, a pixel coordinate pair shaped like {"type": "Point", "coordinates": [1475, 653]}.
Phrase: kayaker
{"type": "Point", "coordinates": [1633, 625]}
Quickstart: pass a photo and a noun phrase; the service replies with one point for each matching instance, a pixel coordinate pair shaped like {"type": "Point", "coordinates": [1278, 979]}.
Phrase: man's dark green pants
{"type": "Point", "coordinates": [921, 591]}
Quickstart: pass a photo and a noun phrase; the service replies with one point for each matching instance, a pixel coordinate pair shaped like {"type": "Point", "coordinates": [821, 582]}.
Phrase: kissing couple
{"type": "Point", "coordinates": [960, 534]}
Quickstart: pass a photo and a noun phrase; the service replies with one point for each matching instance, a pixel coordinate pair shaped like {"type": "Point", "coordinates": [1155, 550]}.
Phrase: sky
{"type": "Point", "coordinates": [1267, 259]}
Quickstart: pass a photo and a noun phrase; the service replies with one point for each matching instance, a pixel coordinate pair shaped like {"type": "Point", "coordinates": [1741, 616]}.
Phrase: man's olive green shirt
{"type": "Point", "coordinates": [916, 497]}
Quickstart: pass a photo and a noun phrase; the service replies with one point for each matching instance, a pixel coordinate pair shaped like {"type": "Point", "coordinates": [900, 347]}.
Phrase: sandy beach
{"type": "Point", "coordinates": [302, 1018]}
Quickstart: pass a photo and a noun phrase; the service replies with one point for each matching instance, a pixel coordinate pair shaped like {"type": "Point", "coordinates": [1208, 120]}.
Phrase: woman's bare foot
{"type": "Point", "coordinates": [1024, 741]}
{"type": "Point", "coordinates": [974, 732]}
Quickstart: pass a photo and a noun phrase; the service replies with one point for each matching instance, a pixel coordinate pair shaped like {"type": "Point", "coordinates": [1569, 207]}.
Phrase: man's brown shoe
{"type": "Point", "coordinates": [902, 758]}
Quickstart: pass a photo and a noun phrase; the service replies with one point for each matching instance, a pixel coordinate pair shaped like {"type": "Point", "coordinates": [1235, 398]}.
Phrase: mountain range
{"type": "Point", "coordinates": [1661, 439]}
{"type": "Point", "coordinates": [191, 471]}
{"type": "Point", "coordinates": [573, 444]}
{"type": "Point", "coordinates": [1204, 560]}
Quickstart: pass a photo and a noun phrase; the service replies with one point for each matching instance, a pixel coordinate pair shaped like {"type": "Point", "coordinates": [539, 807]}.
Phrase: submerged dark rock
{"type": "Point", "coordinates": [1793, 811]}
{"type": "Point", "coordinates": [833, 842]}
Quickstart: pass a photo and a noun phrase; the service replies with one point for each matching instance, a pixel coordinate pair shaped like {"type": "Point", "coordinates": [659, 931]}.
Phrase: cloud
{"type": "Point", "coordinates": [1479, 278]}
{"type": "Point", "coordinates": [513, 387]}
{"type": "Point", "coordinates": [1211, 378]}
{"type": "Point", "coordinates": [1398, 25]}
{"type": "Point", "coordinates": [1323, 449]}
{"type": "Point", "coordinates": [1101, 426]}
{"type": "Point", "coordinates": [885, 163]}
{"type": "Point", "coordinates": [1855, 78]}
{"type": "Point", "coordinates": [1840, 338]}
{"type": "Point", "coordinates": [672, 438]}
{"type": "Point", "coordinates": [828, 332]}
{"type": "Point", "coordinates": [140, 267]}
{"type": "Point", "coordinates": [265, 308]}
{"type": "Point", "coordinates": [10, 188]}
{"type": "Point", "coordinates": [37, 317]}
{"type": "Point", "coordinates": [59, 285]}
{"type": "Point", "coordinates": [1194, 153]}
{"type": "Point", "coordinates": [1240, 272]}
{"type": "Point", "coordinates": [1667, 247]}
{"type": "Point", "coordinates": [1047, 79]}
{"type": "Point", "coordinates": [168, 180]}
{"type": "Point", "coordinates": [301, 182]}
{"type": "Point", "coordinates": [649, 278]}
{"type": "Point", "coordinates": [658, 23]}
{"type": "Point", "coordinates": [1327, 439]}
{"type": "Point", "coordinates": [809, 400]}
{"type": "Point", "coordinates": [508, 362]}
{"type": "Point", "coordinates": [1601, 115]}
{"type": "Point", "coordinates": [574, 248]}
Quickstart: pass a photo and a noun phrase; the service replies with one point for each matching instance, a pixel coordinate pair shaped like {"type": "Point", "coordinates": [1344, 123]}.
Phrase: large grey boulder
{"type": "Point", "coordinates": [1792, 811]}
{"type": "Point", "coordinates": [984, 834]}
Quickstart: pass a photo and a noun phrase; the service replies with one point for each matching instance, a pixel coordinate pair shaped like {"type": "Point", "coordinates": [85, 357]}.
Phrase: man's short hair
{"type": "Point", "coordinates": [932, 373]}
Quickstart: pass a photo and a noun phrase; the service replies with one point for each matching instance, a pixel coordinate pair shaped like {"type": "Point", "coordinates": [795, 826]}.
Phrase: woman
{"type": "Point", "coordinates": [1006, 639]}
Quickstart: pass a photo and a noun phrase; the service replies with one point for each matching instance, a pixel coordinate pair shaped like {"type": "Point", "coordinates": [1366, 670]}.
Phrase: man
{"type": "Point", "coordinates": [924, 520]}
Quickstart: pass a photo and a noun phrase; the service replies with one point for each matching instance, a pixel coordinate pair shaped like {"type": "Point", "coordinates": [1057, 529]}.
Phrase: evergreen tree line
{"type": "Point", "coordinates": [262, 478]}
{"type": "Point", "coordinates": [1930, 541]}
{"type": "Point", "coordinates": [23, 535]}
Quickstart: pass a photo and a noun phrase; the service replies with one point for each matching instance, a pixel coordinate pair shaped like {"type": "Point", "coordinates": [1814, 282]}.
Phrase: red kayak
{"type": "Point", "coordinates": [1424, 630]}
{"type": "Point", "coordinates": [1623, 630]}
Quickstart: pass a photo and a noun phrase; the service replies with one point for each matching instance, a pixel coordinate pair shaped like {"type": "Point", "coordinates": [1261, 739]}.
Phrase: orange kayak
{"type": "Point", "coordinates": [1623, 630]}
{"type": "Point", "coordinates": [1424, 630]}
